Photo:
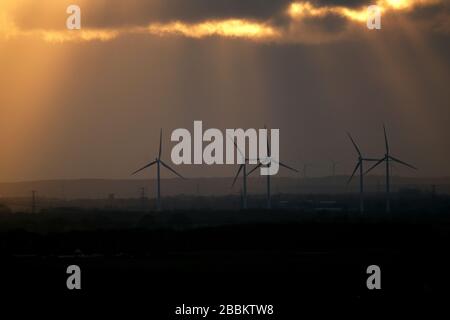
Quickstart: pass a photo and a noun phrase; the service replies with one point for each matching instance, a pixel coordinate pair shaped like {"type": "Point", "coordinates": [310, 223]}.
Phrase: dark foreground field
{"type": "Point", "coordinates": [283, 259]}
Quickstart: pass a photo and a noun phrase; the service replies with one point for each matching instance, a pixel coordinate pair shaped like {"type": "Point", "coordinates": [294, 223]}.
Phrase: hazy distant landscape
{"type": "Point", "coordinates": [101, 188]}
{"type": "Point", "coordinates": [215, 194]}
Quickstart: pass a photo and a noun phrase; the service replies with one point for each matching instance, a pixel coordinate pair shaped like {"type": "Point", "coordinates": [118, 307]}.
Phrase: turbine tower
{"type": "Point", "coordinates": [359, 165]}
{"type": "Point", "coordinates": [388, 158]}
{"type": "Point", "coordinates": [242, 167]}
{"type": "Point", "coordinates": [158, 163]}
{"type": "Point", "coordinates": [244, 179]}
{"type": "Point", "coordinates": [269, 198]}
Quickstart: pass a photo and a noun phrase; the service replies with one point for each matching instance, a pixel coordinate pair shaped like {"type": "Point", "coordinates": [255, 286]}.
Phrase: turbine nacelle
{"type": "Point", "coordinates": [387, 157]}
{"type": "Point", "coordinates": [361, 159]}
{"type": "Point", "coordinates": [265, 162]}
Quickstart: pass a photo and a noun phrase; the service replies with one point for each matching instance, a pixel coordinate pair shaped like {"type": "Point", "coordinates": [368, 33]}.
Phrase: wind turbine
{"type": "Point", "coordinates": [158, 163]}
{"type": "Point", "coordinates": [388, 158]}
{"type": "Point", "coordinates": [243, 167]}
{"type": "Point", "coordinates": [359, 165]}
{"type": "Point", "coordinates": [269, 202]}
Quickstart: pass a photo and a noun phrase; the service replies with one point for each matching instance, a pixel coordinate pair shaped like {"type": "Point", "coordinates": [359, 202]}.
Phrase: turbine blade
{"type": "Point", "coordinates": [370, 159]}
{"type": "Point", "coordinates": [165, 165]}
{"type": "Point", "coordinates": [354, 171]}
{"type": "Point", "coordinates": [375, 165]}
{"type": "Point", "coordinates": [160, 144]}
{"type": "Point", "coordinates": [145, 167]}
{"type": "Point", "coordinates": [287, 167]}
{"type": "Point", "coordinates": [354, 144]}
{"type": "Point", "coordinates": [403, 163]}
{"type": "Point", "coordinates": [254, 169]}
{"type": "Point", "coordinates": [284, 165]}
{"type": "Point", "coordinates": [239, 150]}
{"type": "Point", "coordinates": [237, 174]}
{"type": "Point", "coordinates": [386, 139]}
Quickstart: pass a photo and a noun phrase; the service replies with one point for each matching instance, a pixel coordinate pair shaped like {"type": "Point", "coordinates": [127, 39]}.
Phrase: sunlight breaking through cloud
{"type": "Point", "coordinates": [234, 28]}
{"type": "Point", "coordinates": [242, 28]}
{"type": "Point", "coordinates": [305, 9]}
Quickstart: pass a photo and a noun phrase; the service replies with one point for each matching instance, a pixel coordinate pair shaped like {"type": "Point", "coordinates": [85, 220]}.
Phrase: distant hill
{"type": "Point", "coordinates": [101, 188]}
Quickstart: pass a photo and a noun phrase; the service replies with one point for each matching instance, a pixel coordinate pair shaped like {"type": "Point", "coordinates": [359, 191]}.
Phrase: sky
{"type": "Point", "coordinates": [89, 103]}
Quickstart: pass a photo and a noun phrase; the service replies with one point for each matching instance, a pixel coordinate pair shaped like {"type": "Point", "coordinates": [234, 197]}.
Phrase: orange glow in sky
{"type": "Point", "coordinates": [227, 28]}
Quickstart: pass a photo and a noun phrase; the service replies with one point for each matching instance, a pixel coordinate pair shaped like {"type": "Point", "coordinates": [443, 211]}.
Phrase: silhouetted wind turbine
{"type": "Point", "coordinates": [158, 163]}
{"type": "Point", "coordinates": [359, 165]}
{"type": "Point", "coordinates": [242, 167]}
{"type": "Point", "coordinates": [269, 202]}
{"type": "Point", "coordinates": [388, 158]}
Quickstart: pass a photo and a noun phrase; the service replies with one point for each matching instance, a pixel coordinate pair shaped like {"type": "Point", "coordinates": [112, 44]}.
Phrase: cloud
{"type": "Point", "coordinates": [119, 13]}
{"type": "Point", "coordinates": [313, 21]}
{"type": "Point", "coordinates": [236, 28]}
